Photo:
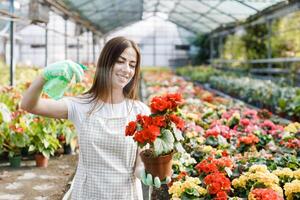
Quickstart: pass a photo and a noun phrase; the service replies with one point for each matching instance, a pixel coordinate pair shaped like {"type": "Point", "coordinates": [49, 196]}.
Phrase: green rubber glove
{"type": "Point", "coordinates": [58, 75]}
{"type": "Point", "coordinates": [147, 179]}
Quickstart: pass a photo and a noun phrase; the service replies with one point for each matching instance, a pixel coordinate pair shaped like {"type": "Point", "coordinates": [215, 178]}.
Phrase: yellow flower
{"type": "Point", "coordinates": [202, 191]}
{"type": "Point", "coordinates": [175, 189]}
{"type": "Point", "coordinates": [277, 189]}
{"type": "Point", "coordinates": [266, 178]}
{"type": "Point", "coordinates": [200, 140]}
{"type": "Point", "coordinates": [179, 187]}
{"type": "Point", "coordinates": [291, 188]}
{"type": "Point", "coordinates": [207, 149]}
{"type": "Point", "coordinates": [293, 127]}
{"type": "Point", "coordinates": [192, 116]}
{"type": "Point", "coordinates": [258, 168]}
{"type": "Point", "coordinates": [240, 182]}
{"type": "Point", "coordinates": [191, 134]}
{"type": "Point", "coordinates": [297, 174]}
{"type": "Point", "coordinates": [283, 172]}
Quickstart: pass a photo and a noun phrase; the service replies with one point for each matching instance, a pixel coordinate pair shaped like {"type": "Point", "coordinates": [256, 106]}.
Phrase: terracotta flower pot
{"type": "Point", "coordinates": [41, 160]}
{"type": "Point", "coordinates": [160, 166]}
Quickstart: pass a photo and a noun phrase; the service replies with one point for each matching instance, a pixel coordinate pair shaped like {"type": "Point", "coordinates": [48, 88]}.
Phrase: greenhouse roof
{"type": "Point", "coordinates": [197, 16]}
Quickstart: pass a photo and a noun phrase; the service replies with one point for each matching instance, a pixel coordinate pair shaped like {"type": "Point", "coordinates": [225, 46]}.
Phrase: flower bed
{"type": "Point", "coordinates": [261, 93]}
{"type": "Point", "coordinates": [231, 151]}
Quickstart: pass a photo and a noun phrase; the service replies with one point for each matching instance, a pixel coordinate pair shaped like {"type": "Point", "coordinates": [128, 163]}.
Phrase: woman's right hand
{"type": "Point", "coordinates": [64, 69]}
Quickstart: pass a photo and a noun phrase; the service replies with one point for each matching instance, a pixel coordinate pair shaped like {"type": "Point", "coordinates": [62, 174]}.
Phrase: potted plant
{"type": "Point", "coordinates": [43, 140]}
{"type": "Point", "coordinates": [66, 134]}
{"type": "Point", "coordinates": [161, 132]}
{"type": "Point", "coordinates": [14, 137]}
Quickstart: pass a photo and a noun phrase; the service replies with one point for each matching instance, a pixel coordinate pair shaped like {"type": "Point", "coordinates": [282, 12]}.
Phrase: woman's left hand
{"type": "Point", "coordinates": [147, 179]}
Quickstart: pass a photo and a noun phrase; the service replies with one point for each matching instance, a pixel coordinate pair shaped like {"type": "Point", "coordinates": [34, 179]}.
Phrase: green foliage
{"type": "Point", "coordinates": [43, 137]}
{"type": "Point", "coordinates": [255, 42]}
{"type": "Point", "coordinates": [200, 73]}
{"type": "Point", "coordinates": [202, 41]}
{"type": "Point", "coordinates": [164, 143]}
{"type": "Point", "coordinates": [234, 49]}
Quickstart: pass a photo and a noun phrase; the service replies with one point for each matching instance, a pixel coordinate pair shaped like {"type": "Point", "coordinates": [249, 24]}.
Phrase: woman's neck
{"type": "Point", "coordinates": [117, 97]}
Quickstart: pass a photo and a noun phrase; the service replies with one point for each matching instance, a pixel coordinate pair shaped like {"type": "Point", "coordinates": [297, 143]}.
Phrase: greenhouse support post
{"type": "Point", "coordinates": [46, 45]}
{"type": "Point", "coordinates": [94, 51]}
{"type": "Point", "coordinates": [11, 30]}
{"type": "Point", "coordinates": [77, 57]}
{"type": "Point", "coordinates": [65, 37]}
{"type": "Point", "coordinates": [269, 48]}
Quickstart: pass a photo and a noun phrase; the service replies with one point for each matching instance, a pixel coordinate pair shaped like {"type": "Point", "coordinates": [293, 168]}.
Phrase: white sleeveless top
{"type": "Point", "coordinates": [106, 156]}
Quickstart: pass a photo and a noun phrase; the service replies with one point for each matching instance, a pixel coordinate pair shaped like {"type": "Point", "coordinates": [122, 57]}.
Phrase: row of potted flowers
{"type": "Point", "coordinates": [261, 93]}
{"type": "Point", "coordinates": [230, 152]}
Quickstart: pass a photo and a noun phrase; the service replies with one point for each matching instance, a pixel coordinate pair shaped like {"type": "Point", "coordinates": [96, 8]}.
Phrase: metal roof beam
{"type": "Point", "coordinates": [59, 6]}
{"type": "Point", "coordinates": [202, 15]}
{"type": "Point", "coordinates": [183, 14]}
{"type": "Point", "coordinates": [218, 10]}
{"type": "Point", "coordinates": [174, 7]}
{"type": "Point", "coordinates": [85, 2]}
{"type": "Point", "coordinates": [247, 5]}
{"type": "Point", "coordinates": [185, 27]}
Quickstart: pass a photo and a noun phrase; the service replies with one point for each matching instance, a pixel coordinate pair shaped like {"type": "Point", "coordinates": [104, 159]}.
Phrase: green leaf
{"type": "Point", "coordinates": [228, 171]}
{"type": "Point", "coordinates": [167, 136]}
{"type": "Point", "coordinates": [46, 153]}
{"type": "Point", "coordinates": [158, 146]}
{"type": "Point", "coordinates": [179, 147]}
{"type": "Point", "coordinates": [192, 192]}
{"type": "Point", "coordinates": [31, 148]}
{"type": "Point", "coordinates": [164, 143]}
{"type": "Point", "coordinates": [177, 132]}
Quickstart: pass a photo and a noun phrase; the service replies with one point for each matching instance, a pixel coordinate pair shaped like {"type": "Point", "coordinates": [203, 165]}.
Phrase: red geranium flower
{"type": "Point", "coordinates": [130, 129]}
{"type": "Point", "coordinates": [178, 121]}
{"type": "Point", "coordinates": [265, 194]}
{"type": "Point", "coordinates": [217, 182]}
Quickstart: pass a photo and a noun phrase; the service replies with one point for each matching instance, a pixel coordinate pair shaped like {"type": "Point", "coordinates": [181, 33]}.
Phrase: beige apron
{"type": "Point", "coordinates": [106, 161]}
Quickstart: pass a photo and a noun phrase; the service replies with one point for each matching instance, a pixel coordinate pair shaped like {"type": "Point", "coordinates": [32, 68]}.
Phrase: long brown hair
{"type": "Point", "coordinates": [101, 89]}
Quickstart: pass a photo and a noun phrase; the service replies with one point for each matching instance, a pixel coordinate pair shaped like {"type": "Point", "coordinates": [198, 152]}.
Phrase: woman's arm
{"type": "Point", "coordinates": [32, 102]}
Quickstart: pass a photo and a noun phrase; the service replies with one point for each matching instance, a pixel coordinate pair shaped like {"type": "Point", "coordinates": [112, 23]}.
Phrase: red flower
{"type": "Point", "coordinates": [151, 133]}
{"type": "Point", "coordinates": [159, 121]}
{"type": "Point", "coordinates": [218, 130]}
{"type": "Point", "coordinates": [163, 103]}
{"type": "Point", "coordinates": [268, 125]}
{"type": "Point", "coordinates": [178, 121]}
{"type": "Point", "coordinates": [221, 196]}
{"type": "Point", "coordinates": [19, 130]}
{"type": "Point", "coordinates": [139, 137]}
{"type": "Point", "coordinates": [159, 104]}
{"type": "Point", "coordinates": [248, 140]}
{"type": "Point", "coordinates": [217, 182]}
{"type": "Point", "coordinates": [265, 194]}
{"type": "Point", "coordinates": [130, 128]}
{"type": "Point", "coordinates": [245, 122]}
{"type": "Point", "coordinates": [206, 167]}
{"type": "Point", "coordinates": [175, 99]}
{"type": "Point", "coordinates": [225, 153]}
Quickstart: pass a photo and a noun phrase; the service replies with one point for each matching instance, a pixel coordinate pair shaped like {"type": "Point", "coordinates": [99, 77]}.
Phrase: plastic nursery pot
{"type": "Point", "coordinates": [67, 149]}
{"type": "Point", "coordinates": [160, 166]}
{"type": "Point", "coordinates": [15, 161]}
{"type": "Point", "coordinates": [41, 160]}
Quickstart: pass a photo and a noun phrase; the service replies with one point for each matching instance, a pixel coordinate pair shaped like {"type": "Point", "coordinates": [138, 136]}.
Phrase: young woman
{"type": "Point", "coordinates": [109, 162]}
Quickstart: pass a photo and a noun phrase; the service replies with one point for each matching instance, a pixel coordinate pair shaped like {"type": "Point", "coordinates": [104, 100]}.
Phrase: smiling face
{"type": "Point", "coordinates": [124, 68]}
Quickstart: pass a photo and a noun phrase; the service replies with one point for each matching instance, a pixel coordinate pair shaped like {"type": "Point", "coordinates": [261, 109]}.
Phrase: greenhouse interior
{"type": "Point", "coordinates": [149, 99]}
